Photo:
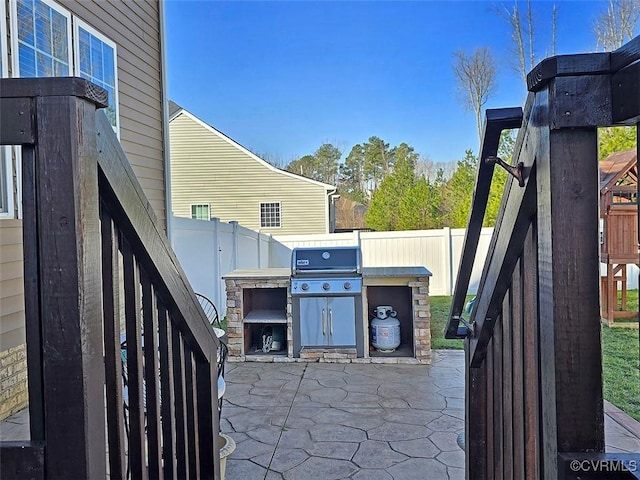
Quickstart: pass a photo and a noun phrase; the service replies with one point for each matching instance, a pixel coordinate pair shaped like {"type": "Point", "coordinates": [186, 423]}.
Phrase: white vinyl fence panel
{"type": "Point", "coordinates": [208, 250]}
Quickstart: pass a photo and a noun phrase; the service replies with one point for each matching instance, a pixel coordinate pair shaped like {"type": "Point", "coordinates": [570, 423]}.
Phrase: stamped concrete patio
{"type": "Point", "coordinates": [336, 421]}
{"type": "Point", "coordinates": [322, 421]}
{"type": "Point", "coordinates": [325, 421]}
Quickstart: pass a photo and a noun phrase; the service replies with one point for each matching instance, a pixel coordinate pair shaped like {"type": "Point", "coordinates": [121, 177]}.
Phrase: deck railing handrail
{"type": "Point", "coordinates": [534, 397]}
{"type": "Point", "coordinates": [98, 267]}
{"type": "Point", "coordinates": [496, 120]}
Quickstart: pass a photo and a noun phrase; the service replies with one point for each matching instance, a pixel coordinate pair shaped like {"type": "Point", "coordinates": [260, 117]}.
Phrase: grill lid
{"type": "Point", "coordinates": [313, 260]}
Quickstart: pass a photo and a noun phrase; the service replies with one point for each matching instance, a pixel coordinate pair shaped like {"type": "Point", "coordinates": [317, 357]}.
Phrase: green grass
{"type": "Point", "coordinates": [619, 347]}
{"type": "Point", "coordinates": [620, 369]}
{"type": "Point", "coordinates": [440, 307]}
{"type": "Point", "coordinates": [632, 300]}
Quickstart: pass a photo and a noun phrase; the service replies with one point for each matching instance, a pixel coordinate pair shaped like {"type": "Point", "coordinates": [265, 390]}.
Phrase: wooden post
{"type": "Point", "coordinates": [69, 283]}
{"type": "Point", "coordinates": [568, 276]}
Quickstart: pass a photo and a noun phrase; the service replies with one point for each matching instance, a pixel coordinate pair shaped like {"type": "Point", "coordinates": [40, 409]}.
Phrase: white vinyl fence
{"type": "Point", "coordinates": [208, 250]}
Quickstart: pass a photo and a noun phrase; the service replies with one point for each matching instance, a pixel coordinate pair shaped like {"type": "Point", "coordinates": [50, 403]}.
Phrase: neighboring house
{"type": "Point", "coordinates": [213, 176]}
{"type": "Point", "coordinates": [120, 47]}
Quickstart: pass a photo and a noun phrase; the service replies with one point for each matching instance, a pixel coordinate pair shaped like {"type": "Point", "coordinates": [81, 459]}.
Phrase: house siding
{"type": "Point", "coordinates": [207, 169]}
{"type": "Point", "coordinates": [136, 29]}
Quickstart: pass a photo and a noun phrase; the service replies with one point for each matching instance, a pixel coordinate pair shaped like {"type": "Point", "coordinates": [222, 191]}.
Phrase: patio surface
{"type": "Point", "coordinates": [336, 421]}
{"type": "Point", "coordinates": [324, 421]}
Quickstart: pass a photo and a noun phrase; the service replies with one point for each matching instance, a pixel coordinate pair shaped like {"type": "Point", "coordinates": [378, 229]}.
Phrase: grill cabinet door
{"type": "Point", "coordinates": [313, 321]}
{"type": "Point", "coordinates": [341, 324]}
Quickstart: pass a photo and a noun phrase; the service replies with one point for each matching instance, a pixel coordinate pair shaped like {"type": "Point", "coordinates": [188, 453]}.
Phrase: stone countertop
{"type": "Point", "coordinates": [258, 273]}
{"type": "Point", "coordinates": [285, 273]}
{"type": "Point", "coordinates": [378, 272]}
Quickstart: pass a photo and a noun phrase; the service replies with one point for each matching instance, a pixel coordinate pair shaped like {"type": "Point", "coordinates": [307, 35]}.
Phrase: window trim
{"type": "Point", "coordinates": [279, 204]}
{"type": "Point", "coordinates": [4, 49]}
{"type": "Point", "coordinates": [15, 60]}
{"type": "Point", "coordinates": [6, 158]}
{"type": "Point", "coordinates": [6, 169]}
{"type": "Point", "coordinates": [208, 205]}
{"type": "Point", "coordinates": [77, 24]}
{"type": "Point", "coordinates": [624, 193]}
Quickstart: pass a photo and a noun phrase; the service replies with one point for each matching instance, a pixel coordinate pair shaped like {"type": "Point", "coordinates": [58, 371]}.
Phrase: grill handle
{"type": "Point", "coordinates": [330, 321]}
{"type": "Point", "coordinates": [323, 321]}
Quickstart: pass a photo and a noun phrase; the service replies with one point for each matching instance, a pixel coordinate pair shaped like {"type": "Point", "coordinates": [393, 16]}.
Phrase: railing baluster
{"type": "Point", "coordinates": [180, 406]}
{"type": "Point", "coordinates": [532, 392]}
{"type": "Point", "coordinates": [112, 348]}
{"type": "Point", "coordinates": [191, 414]}
{"type": "Point", "coordinates": [208, 422]}
{"type": "Point", "coordinates": [497, 400]}
{"type": "Point", "coordinates": [168, 397]}
{"type": "Point", "coordinates": [507, 391]}
{"type": "Point", "coordinates": [151, 375]}
{"type": "Point", "coordinates": [490, 411]}
{"type": "Point", "coordinates": [132, 304]}
{"type": "Point", "coordinates": [518, 372]}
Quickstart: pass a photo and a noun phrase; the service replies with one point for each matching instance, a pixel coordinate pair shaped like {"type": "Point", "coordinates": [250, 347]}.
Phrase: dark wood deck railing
{"type": "Point", "coordinates": [97, 268]}
{"type": "Point", "coordinates": [533, 351]}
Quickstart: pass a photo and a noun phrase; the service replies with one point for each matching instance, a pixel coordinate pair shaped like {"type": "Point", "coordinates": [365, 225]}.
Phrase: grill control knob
{"type": "Point", "coordinates": [305, 286]}
{"type": "Point", "coordinates": [347, 285]}
{"type": "Point", "coordinates": [326, 286]}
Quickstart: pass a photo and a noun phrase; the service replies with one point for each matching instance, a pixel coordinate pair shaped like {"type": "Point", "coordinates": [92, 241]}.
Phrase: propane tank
{"type": "Point", "coordinates": [385, 329]}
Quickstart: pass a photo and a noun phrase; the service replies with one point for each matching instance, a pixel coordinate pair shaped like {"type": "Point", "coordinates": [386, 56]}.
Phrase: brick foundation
{"type": "Point", "coordinates": [14, 394]}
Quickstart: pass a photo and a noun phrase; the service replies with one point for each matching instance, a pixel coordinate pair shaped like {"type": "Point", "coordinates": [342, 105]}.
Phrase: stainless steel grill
{"type": "Point", "coordinates": [326, 289]}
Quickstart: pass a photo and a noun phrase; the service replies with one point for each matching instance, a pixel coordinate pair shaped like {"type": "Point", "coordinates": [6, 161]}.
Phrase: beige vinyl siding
{"type": "Point", "coordinates": [208, 169]}
{"type": "Point", "coordinates": [11, 284]}
{"type": "Point", "coordinates": [135, 28]}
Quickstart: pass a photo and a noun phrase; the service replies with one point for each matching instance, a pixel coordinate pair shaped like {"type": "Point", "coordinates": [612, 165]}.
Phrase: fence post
{"type": "Point", "coordinates": [447, 259]}
{"type": "Point", "coordinates": [234, 243]}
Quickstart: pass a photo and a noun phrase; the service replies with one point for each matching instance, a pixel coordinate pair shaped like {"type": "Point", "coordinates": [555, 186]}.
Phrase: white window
{"type": "Point", "coordinates": [43, 40]}
{"type": "Point", "coordinates": [200, 211]}
{"type": "Point", "coordinates": [95, 59]}
{"type": "Point", "coordinates": [270, 216]}
{"type": "Point", "coordinates": [43, 46]}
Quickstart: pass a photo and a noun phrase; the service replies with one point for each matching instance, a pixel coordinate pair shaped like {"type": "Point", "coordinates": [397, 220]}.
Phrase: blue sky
{"type": "Point", "coordinates": [281, 78]}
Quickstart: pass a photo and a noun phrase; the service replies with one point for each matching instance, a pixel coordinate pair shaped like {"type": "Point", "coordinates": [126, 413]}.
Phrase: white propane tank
{"type": "Point", "coordinates": [385, 332]}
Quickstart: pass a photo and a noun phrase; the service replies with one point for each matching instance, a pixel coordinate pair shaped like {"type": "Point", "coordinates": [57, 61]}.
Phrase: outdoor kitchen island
{"type": "Point", "coordinates": [260, 305]}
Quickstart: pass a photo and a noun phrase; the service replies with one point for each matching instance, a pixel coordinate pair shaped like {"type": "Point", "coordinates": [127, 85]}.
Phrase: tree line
{"type": "Point", "coordinates": [401, 189]}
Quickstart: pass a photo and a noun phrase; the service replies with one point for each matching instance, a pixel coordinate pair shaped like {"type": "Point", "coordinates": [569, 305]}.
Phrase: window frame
{"type": "Point", "coordinates": [208, 205]}
{"type": "Point", "coordinates": [632, 195]}
{"type": "Point", "coordinates": [279, 214]}
{"type": "Point", "coordinates": [77, 25]}
{"type": "Point", "coordinates": [6, 176]}
{"type": "Point", "coordinates": [6, 165]}
{"type": "Point", "coordinates": [4, 47]}
{"type": "Point", "coordinates": [15, 44]}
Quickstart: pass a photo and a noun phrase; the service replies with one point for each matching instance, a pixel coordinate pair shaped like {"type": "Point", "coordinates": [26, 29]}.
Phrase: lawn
{"type": "Point", "coordinates": [619, 346]}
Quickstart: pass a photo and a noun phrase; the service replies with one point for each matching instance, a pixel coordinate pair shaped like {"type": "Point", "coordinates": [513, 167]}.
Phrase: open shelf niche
{"type": "Point", "coordinates": [264, 310]}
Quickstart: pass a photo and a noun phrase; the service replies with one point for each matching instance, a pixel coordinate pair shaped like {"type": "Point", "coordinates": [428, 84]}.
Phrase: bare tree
{"type": "Point", "coordinates": [476, 82]}
{"type": "Point", "coordinates": [554, 22]}
{"type": "Point", "coordinates": [523, 35]}
{"type": "Point", "coordinates": [617, 25]}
